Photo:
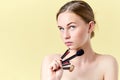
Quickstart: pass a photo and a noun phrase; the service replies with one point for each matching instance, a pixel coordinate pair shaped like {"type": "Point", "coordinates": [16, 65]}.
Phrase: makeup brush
{"type": "Point", "coordinates": [79, 53]}
{"type": "Point", "coordinates": [66, 63]}
{"type": "Point", "coordinates": [65, 54]}
{"type": "Point", "coordinates": [71, 68]}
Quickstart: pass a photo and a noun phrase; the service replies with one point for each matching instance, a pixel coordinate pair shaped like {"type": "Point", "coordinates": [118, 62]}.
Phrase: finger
{"type": "Point", "coordinates": [59, 61]}
{"type": "Point", "coordinates": [56, 65]}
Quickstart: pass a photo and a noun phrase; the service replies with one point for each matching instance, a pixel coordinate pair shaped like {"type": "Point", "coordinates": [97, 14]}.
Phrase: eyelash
{"type": "Point", "coordinates": [61, 28]}
{"type": "Point", "coordinates": [72, 27]}
{"type": "Point", "coordinates": [69, 27]}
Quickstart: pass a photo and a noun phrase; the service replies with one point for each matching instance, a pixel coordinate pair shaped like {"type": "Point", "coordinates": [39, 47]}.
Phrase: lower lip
{"type": "Point", "coordinates": [68, 44]}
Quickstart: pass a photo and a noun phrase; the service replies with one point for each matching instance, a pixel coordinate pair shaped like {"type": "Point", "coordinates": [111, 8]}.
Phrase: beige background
{"type": "Point", "coordinates": [28, 32]}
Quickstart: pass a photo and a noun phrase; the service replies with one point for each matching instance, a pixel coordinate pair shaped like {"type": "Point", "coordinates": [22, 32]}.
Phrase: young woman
{"type": "Point", "coordinates": [76, 24]}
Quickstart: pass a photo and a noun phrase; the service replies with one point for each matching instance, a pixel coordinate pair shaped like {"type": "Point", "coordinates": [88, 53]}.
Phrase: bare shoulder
{"type": "Point", "coordinates": [107, 59]}
{"type": "Point", "coordinates": [108, 64]}
{"type": "Point", "coordinates": [109, 67]}
{"type": "Point", "coordinates": [49, 58]}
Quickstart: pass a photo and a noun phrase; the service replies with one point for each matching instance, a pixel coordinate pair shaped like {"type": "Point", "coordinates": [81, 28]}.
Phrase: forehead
{"type": "Point", "coordinates": [68, 17]}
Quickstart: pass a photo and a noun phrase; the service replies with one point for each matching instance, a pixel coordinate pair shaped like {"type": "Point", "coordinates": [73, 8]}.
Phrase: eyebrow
{"type": "Point", "coordinates": [67, 24]}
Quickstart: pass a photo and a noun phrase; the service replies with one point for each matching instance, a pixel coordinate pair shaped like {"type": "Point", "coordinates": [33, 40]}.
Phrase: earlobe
{"type": "Point", "coordinates": [91, 26]}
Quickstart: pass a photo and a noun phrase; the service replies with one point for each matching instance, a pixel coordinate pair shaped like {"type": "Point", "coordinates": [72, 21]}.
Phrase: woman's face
{"type": "Point", "coordinates": [74, 30]}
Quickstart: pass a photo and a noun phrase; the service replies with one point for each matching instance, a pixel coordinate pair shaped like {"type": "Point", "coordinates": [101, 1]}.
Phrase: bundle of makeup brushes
{"type": "Point", "coordinates": [67, 63]}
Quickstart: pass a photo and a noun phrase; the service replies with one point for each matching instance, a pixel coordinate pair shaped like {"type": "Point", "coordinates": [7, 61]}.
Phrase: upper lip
{"type": "Point", "coordinates": [68, 42]}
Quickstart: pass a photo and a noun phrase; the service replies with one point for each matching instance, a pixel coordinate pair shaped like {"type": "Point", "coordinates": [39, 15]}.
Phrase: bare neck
{"type": "Point", "coordinates": [88, 56]}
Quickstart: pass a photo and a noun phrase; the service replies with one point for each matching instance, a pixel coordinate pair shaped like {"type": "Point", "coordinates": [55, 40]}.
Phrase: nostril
{"type": "Point", "coordinates": [67, 37]}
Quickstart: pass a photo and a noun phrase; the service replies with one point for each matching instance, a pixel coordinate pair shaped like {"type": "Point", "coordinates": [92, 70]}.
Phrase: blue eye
{"type": "Point", "coordinates": [72, 27]}
{"type": "Point", "coordinates": [61, 28]}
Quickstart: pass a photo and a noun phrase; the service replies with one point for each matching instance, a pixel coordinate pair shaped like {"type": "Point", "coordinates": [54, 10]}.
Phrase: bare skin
{"type": "Point", "coordinates": [104, 67]}
{"type": "Point", "coordinates": [75, 33]}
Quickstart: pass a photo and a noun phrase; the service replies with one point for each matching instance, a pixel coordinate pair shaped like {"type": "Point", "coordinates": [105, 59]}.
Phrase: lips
{"type": "Point", "coordinates": [68, 43]}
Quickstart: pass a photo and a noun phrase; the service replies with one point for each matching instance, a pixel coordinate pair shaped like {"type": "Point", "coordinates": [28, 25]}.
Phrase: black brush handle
{"type": "Point", "coordinates": [65, 54]}
{"type": "Point", "coordinates": [79, 53]}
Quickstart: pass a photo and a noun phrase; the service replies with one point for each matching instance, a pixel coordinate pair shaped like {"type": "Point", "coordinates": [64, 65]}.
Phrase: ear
{"type": "Point", "coordinates": [91, 26]}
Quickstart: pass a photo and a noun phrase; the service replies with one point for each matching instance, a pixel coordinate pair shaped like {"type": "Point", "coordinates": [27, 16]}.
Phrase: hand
{"type": "Point", "coordinates": [55, 70]}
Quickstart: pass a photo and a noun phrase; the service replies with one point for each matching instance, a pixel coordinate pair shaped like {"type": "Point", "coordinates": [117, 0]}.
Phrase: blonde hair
{"type": "Point", "coordinates": [80, 8]}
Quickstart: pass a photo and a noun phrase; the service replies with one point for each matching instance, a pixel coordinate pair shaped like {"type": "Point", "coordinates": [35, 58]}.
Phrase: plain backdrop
{"type": "Point", "coordinates": [28, 32]}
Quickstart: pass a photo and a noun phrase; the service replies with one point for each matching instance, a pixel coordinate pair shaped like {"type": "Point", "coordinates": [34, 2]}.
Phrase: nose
{"type": "Point", "coordinates": [66, 35]}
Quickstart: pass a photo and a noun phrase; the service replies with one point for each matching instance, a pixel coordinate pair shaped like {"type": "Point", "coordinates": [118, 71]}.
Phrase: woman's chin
{"type": "Point", "coordinates": [72, 48]}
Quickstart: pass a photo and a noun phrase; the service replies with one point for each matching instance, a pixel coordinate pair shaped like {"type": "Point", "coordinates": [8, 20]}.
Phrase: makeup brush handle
{"type": "Point", "coordinates": [71, 68]}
